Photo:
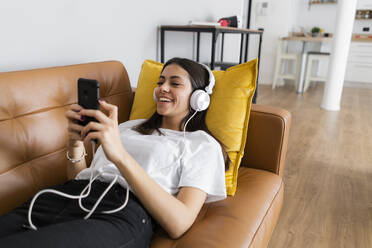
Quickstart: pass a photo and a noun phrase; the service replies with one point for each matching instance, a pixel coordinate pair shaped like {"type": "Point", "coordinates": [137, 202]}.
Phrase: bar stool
{"type": "Point", "coordinates": [281, 57]}
{"type": "Point", "coordinates": [314, 56]}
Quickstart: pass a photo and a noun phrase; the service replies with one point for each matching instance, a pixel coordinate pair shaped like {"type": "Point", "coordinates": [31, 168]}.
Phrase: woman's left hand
{"type": "Point", "coordinates": [106, 130]}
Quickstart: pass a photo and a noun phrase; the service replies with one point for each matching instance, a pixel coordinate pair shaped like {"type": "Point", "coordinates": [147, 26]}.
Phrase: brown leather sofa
{"type": "Point", "coordinates": [33, 153]}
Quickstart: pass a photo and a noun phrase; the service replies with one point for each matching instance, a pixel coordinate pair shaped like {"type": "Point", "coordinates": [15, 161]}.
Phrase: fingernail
{"type": "Point", "coordinates": [101, 100]}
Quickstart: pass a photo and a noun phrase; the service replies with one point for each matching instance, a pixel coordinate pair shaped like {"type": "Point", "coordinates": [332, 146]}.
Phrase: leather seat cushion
{"type": "Point", "coordinates": [236, 221]}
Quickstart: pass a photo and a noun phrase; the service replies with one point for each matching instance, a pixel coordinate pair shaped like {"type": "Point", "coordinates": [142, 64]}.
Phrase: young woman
{"type": "Point", "coordinates": [170, 163]}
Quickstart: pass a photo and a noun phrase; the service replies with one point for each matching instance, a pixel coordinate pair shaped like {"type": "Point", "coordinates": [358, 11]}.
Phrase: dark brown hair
{"type": "Point", "coordinates": [199, 78]}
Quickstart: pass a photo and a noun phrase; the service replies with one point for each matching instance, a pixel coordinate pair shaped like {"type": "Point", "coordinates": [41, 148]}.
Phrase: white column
{"type": "Point", "coordinates": [341, 43]}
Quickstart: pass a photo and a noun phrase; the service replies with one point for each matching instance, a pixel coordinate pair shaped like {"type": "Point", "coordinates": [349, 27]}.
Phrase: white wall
{"type": "Point", "coordinates": [276, 23]}
{"type": "Point", "coordinates": [320, 15]}
{"type": "Point", "coordinates": [42, 33]}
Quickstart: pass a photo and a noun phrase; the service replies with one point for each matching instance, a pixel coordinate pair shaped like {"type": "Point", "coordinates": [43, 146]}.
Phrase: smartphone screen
{"type": "Point", "coordinates": [88, 95]}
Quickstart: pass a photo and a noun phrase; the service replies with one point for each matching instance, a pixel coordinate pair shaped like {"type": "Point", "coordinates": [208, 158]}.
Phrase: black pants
{"type": "Point", "coordinates": [60, 220]}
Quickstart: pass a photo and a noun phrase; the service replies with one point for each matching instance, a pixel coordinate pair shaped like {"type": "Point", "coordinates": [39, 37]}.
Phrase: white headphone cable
{"type": "Point", "coordinates": [81, 196]}
{"type": "Point", "coordinates": [89, 186]}
{"type": "Point", "coordinates": [184, 134]}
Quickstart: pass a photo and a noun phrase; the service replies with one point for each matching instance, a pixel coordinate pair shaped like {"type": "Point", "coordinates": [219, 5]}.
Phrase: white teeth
{"type": "Point", "coordinates": [163, 99]}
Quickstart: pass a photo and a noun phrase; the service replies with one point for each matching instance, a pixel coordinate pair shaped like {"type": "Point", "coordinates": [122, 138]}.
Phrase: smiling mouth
{"type": "Point", "coordinates": [165, 100]}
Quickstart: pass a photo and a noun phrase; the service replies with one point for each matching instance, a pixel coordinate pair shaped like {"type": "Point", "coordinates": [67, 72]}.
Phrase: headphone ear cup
{"type": "Point", "coordinates": [154, 95]}
{"type": "Point", "coordinates": [199, 100]}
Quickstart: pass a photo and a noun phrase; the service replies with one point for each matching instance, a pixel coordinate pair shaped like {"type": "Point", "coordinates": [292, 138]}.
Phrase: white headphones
{"type": "Point", "coordinates": [200, 99]}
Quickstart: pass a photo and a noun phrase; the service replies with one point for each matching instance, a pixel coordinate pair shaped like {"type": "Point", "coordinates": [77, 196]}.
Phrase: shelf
{"type": "Point", "coordinates": [359, 15]}
{"type": "Point", "coordinates": [223, 65]}
{"type": "Point", "coordinates": [319, 3]}
{"type": "Point", "coordinates": [323, 3]}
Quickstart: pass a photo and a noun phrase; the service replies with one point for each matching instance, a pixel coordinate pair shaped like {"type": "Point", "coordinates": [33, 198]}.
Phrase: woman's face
{"type": "Point", "coordinates": [173, 92]}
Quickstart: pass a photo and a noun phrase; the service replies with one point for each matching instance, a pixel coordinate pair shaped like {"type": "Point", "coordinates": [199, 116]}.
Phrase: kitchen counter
{"type": "Point", "coordinates": [307, 38]}
{"type": "Point", "coordinates": [355, 38]}
{"type": "Point", "coordinates": [362, 38]}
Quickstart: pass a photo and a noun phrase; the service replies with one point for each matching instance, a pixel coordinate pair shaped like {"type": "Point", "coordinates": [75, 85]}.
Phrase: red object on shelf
{"type": "Point", "coordinates": [231, 21]}
{"type": "Point", "coordinates": [224, 23]}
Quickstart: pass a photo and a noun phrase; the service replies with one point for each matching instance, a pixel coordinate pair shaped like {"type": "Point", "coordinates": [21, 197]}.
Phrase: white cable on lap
{"type": "Point", "coordinates": [81, 196]}
{"type": "Point", "coordinates": [89, 186]}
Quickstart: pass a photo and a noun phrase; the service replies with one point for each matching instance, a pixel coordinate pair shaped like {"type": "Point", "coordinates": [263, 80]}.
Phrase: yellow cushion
{"type": "Point", "coordinates": [228, 114]}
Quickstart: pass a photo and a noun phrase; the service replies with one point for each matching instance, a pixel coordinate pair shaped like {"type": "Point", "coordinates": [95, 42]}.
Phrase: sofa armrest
{"type": "Point", "coordinates": [267, 139]}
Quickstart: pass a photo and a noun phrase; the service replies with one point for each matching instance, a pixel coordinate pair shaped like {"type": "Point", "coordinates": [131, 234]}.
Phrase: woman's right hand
{"type": "Point", "coordinates": [73, 126]}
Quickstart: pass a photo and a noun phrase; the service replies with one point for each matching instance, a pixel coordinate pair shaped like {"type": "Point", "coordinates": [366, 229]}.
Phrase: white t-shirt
{"type": "Point", "coordinates": [202, 165]}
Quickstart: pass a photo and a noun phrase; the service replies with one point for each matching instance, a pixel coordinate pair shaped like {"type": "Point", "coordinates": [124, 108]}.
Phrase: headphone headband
{"type": "Point", "coordinates": [212, 80]}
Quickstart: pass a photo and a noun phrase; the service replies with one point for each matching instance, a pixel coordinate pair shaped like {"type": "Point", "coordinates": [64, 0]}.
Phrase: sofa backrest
{"type": "Point", "coordinates": [33, 127]}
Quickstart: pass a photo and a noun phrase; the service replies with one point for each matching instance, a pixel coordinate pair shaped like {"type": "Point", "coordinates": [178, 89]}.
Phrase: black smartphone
{"type": "Point", "coordinates": [88, 95]}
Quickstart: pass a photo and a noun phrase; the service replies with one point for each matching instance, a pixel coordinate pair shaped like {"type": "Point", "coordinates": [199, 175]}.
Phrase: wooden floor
{"type": "Point", "coordinates": [328, 173]}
